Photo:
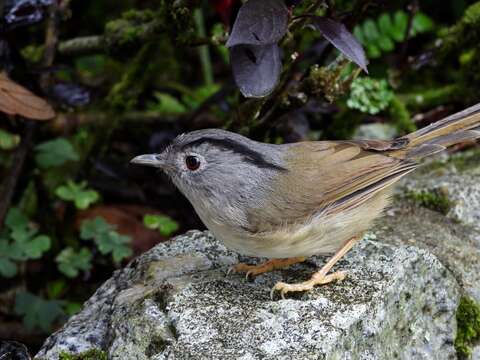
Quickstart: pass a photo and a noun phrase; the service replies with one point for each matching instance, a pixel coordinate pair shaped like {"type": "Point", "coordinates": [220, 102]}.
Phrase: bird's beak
{"type": "Point", "coordinates": [154, 160]}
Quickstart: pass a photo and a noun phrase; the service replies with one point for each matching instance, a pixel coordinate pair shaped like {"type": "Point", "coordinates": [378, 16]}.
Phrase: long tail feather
{"type": "Point", "coordinates": [460, 127]}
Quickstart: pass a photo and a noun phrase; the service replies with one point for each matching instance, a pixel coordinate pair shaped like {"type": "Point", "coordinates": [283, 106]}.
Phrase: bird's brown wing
{"type": "Point", "coordinates": [328, 175]}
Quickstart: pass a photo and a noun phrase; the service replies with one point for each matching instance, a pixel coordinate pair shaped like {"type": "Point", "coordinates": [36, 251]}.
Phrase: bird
{"type": "Point", "coordinates": [288, 202]}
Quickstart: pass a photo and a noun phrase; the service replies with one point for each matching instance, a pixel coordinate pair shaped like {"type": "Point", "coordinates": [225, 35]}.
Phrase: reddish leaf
{"type": "Point", "coordinates": [16, 100]}
{"type": "Point", "coordinates": [338, 35]}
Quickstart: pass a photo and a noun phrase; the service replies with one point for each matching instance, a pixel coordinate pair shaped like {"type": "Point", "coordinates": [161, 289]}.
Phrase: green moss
{"type": "Point", "coordinates": [468, 326]}
{"type": "Point", "coordinates": [431, 97]}
{"type": "Point", "coordinates": [401, 116]}
{"type": "Point", "coordinates": [433, 200]}
{"type": "Point", "coordinates": [123, 95]}
{"type": "Point", "coordinates": [92, 354]}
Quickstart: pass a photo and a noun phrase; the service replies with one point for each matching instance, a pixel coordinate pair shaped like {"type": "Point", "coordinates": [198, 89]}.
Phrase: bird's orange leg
{"type": "Point", "coordinates": [270, 265]}
{"type": "Point", "coordinates": [320, 277]}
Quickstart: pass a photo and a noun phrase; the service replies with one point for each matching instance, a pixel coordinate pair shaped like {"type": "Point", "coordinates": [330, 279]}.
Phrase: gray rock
{"type": "Point", "coordinates": [174, 302]}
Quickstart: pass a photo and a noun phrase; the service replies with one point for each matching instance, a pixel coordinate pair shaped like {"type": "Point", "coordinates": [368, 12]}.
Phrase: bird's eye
{"type": "Point", "coordinates": [192, 162]}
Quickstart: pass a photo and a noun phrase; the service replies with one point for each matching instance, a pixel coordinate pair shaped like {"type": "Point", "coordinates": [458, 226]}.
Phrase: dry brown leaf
{"type": "Point", "coordinates": [17, 100]}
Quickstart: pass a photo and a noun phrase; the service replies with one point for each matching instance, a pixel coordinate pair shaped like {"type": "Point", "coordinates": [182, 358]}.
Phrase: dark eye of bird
{"type": "Point", "coordinates": [193, 163]}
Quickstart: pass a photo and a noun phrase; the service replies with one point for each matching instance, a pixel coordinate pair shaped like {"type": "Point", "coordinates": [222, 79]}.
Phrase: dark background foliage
{"type": "Point", "coordinates": [125, 77]}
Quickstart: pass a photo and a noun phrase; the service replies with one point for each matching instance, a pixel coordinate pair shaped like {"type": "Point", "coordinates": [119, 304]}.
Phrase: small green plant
{"type": "Point", "coordinates": [71, 262]}
{"type": "Point", "coordinates": [55, 153]}
{"type": "Point", "coordinates": [381, 34]}
{"type": "Point", "coordinates": [164, 224]}
{"type": "Point", "coordinates": [20, 242]}
{"type": "Point", "coordinates": [38, 312]}
{"type": "Point", "coordinates": [107, 240]}
{"type": "Point", "coordinates": [167, 104]}
{"type": "Point", "coordinates": [369, 95]}
{"type": "Point", "coordinates": [78, 194]}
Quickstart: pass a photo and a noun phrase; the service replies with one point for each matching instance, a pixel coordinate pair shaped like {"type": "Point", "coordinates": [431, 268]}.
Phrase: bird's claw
{"type": "Point", "coordinates": [308, 285]}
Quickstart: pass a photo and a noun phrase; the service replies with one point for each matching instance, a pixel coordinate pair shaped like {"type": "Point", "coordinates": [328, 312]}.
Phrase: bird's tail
{"type": "Point", "coordinates": [460, 127]}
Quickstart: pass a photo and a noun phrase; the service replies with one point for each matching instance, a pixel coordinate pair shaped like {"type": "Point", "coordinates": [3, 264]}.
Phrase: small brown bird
{"type": "Point", "coordinates": [287, 202]}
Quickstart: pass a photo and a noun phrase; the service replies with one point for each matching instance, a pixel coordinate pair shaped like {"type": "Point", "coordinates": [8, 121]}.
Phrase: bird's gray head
{"type": "Point", "coordinates": [217, 165]}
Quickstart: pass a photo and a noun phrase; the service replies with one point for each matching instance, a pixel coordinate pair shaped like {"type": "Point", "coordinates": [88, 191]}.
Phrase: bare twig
{"type": "Point", "coordinates": [413, 8]}
{"type": "Point", "coordinates": [18, 159]}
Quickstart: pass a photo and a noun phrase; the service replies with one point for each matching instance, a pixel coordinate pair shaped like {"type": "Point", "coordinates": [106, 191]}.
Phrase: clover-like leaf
{"type": "Point", "coordinates": [259, 22]}
{"type": "Point", "coordinates": [256, 69]}
{"type": "Point", "coordinates": [338, 35]}
{"type": "Point", "coordinates": [19, 243]}
{"type": "Point", "coordinates": [37, 312]}
{"type": "Point", "coordinates": [164, 224]}
{"type": "Point", "coordinates": [55, 153]}
{"type": "Point", "coordinates": [71, 262]}
{"type": "Point", "coordinates": [78, 193]}
{"type": "Point", "coordinates": [106, 238]}
{"type": "Point", "coordinates": [8, 268]}
{"type": "Point", "coordinates": [37, 246]}
{"type": "Point", "coordinates": [94, 227]}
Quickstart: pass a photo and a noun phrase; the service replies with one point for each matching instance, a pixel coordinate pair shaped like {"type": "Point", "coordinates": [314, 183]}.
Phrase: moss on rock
{"type": "Point", "coordinates": [92, 354]}
{"type": "Point", "coordinates": [431, 199]}
{"type": "Point", "coordinates": [468, 326]}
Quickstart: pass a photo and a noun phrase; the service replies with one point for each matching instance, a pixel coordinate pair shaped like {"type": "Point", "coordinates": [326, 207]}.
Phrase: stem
{"type": "Point", "coordinates": [203, 49]}
{"type": "Point", "coordinates": [18, 159]}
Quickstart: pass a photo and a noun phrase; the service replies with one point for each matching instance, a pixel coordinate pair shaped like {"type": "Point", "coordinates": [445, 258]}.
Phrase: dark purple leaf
{"type": "Point", "coordinates": [256, 69]}
{"type": "Point", "coordinates": [259, 22]}
{"type": "Point", "coordinates": [343, 40]}
{"type": "Point", "coordinates": [71, 94]}
{"type": "Point", "coordinates": [24, 12]}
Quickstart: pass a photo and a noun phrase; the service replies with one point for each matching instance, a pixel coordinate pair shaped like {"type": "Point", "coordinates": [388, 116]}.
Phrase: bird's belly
{"type": "Point", "coordinates": [322, 234]}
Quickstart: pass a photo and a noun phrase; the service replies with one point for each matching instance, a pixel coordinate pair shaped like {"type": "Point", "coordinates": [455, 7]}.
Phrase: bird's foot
{"type": "Point", "coordinates": [316, 279]}
{"type": "Point", "coordinates": [270, 265]}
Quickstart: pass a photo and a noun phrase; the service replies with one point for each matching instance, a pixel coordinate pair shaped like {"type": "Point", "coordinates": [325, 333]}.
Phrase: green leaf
{"type": "Point", "coordinates": [8, 141]}
{"type": "Point", "coordinates": [55, 153]}
{"type": "Point", "coordinates": [199, 95]}
{"type": "Point", "coordinates": [36, 247]}
{"type": "Point", "coordinates": [56, 288]}
{"type": "Point", "coordinates": [373, 51]}
{"type": "Point", "coordinates": [8, 268]}
{"type": "Point", "coordinates": [94, 227]}
{"type": "Point", "coordinates": [71, 308]}
{"type": "Point", "coordinates": [71, 262]}
{"type": "Point", "coordinates": [37, 312]}
{"type": "Point", "coordinates": [370, 30]}
{"type": "Point", "coordinates": [167, 104]}
{"type": "Point", "coordinates": [19, 243]}
{"type": "Point", "coordinates": [386, 44]}
{"type": "Point", "coordinates": [15, 219]}
{"type": "Point", "coordinates": [106, 238]}
{"type": "Point", "coordinates": [77, 193]}
{"type": "Point", "coordinates": [358, 33]}
{"type": "Point", "coordinates": [164, 224]}
{"type": "Point", "coordinates": [400, 23]}
{"type": "Point", "coordinates": [422, 23]}
{"type": "Point", "coordinates": [385, 24]}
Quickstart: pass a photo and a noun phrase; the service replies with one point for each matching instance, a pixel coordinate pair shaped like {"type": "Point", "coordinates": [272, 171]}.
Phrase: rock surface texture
{"type": "Point", "coordinates": [399, 300]}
